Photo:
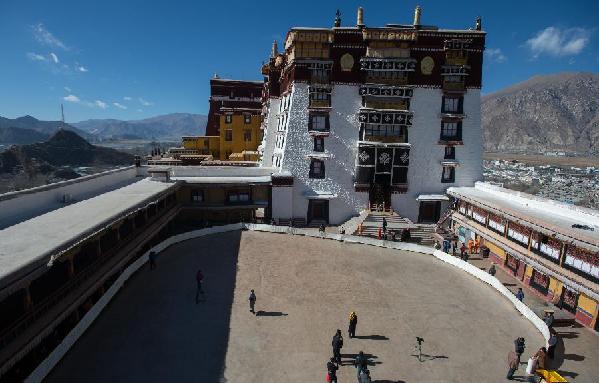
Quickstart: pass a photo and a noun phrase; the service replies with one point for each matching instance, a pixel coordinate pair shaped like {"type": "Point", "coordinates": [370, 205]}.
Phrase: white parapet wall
{"type": "Point", "coordinates": [58, 353]}
{"type": "Point", "coordinates": [22, 205]}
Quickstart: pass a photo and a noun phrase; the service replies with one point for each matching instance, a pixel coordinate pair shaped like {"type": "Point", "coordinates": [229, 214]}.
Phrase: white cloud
{"type": "Point", "coordinates": [120, 106]}
{"type": "Point", "coordinates": [495, 55]}
{"type": "Point", "coordinates": [100, 104]}
{"type": "Point", "coordinates": [144, 102]}
{"type": "Point", "coordinates": [139, 110]}
{"type": "Point", "coordinates": [67, 89]}
{"type": "Point", "coordinates": [554, 41]}
{"type": "Point", "coordinates": [71, 98]}
{"type": "Point", "coordinates": [44, 36]}
{"type": "Point", "coordinates": [127, 98]}
{"type": "Point", "coordinates": [54, 58]}
{"type": "Point", "coordinates": [36, 57]}
{"type": "Point", "coordinates": [81, 68]}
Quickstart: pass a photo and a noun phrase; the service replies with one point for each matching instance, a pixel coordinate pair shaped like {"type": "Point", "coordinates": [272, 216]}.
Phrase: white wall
{"type": "Point", "coordinates": [282, 202]}
{"type": "Point", "coordinates": [425, 171]}
{"type": "Point", "coordinates": [268, 140]}
{"type": "Point", "coordinates": [19, 206]}
{"type": "Point", "coordinates": [341, 144]}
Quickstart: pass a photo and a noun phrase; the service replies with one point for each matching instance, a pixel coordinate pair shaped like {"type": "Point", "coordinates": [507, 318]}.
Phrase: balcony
{"type": "Point", "coordinates": [454, 85]}
{"type": "Point", "coordinates": [396, 105]}
{"type": "Point", "coordinates": [320, 103]}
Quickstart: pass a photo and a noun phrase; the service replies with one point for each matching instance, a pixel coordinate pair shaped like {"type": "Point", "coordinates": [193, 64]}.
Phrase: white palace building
{"type": "Point", "coordinates": [357, 116]}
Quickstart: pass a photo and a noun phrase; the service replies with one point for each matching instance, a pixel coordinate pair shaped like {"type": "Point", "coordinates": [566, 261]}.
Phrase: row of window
{"type": "Point", "coordinates": [247, 119]}
{"type": "Point", "coordinates": [247, 135]}
{"type": "Point", "coordinates": [197, 196]}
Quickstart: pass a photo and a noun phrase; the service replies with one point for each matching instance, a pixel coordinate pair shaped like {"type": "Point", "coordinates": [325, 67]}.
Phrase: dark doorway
{"type": "Point", "coordinates": [380, 191]}
{"type": "Point", "coordinates": [318, 209]}
{"type": "Point", "coordinates": [430, 211]}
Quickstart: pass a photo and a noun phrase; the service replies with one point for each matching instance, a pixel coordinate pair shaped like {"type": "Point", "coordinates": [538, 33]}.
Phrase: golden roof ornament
{"type": "Point", "coordinates": [275, 49]}
{"type": "Point", "coordinates": [337, 19]}
{"type": "Point", "coordinates": [478, 23]}
{"type": "Point", "coordinates": [417, 15]}
{"type": "Point", "coordinates": [360, 22]}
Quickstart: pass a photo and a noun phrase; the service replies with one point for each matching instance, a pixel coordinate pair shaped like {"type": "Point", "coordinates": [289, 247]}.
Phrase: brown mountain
{"type": "Point", "coordinates": [64, 148]}
{"type": "Point", "coordinates": [558, 112]}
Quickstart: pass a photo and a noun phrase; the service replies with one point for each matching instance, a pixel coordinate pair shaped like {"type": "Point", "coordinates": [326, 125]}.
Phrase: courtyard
{"type": "Point", "coordinates": [153, 331]}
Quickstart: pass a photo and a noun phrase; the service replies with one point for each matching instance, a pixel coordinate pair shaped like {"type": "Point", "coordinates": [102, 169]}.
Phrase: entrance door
{"type": "Point", "coordinates": [430, 211]}
{"type": "Point", "coordinates": [380, 191]}
{"type": "Point", "coordinates": [318, 210]}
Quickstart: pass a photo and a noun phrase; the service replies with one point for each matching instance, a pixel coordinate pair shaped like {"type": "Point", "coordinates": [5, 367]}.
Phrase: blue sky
{"type": "Point", "coordinates": [132, 59]}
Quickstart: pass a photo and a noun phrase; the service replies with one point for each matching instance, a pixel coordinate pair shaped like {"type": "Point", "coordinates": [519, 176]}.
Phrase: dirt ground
{"type": "Point", "coordinates": [153, 331]}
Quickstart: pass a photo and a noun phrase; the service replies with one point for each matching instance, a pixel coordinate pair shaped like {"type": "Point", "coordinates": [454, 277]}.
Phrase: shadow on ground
{"type": "Point", "coordinates": [153, 330]}
{"type": "Point", "coordinates": [262, 313]}
{"type": "Point", "coordinates": [371, 337]}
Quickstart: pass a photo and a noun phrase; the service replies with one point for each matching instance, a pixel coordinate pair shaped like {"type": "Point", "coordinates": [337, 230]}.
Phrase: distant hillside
{"type": "Point", "coordinates": [64, 148]}
{"type": "Point", "coordinates": [169, 126]}
{"type": "Point", "coordinates": [28, 123]}
{"type": "Point", "coordinates": [546, 113]}
{"type": "Point", "coordinates": [21, 136]}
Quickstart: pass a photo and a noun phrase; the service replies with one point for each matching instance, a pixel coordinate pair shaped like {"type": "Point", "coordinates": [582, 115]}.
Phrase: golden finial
{"type": "Point", "coordinates": [275, 50]}
{"type": "Point", "coordinates": [417, 15]}
{"type": "Point", "coordinates": [360, 22]}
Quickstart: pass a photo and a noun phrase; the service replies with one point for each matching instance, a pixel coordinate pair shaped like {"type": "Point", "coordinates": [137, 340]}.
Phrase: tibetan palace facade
{"type": "Point", "coordinates": [386, 116]}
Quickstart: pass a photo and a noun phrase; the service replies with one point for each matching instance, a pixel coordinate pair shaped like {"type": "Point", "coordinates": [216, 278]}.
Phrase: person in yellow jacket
{"type": "Point", "coordinates": [353, 322]}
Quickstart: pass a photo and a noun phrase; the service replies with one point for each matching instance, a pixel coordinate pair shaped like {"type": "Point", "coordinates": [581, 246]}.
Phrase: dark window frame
{"type": "Point", "coordinates": [451, 178]}
{"type": "Point", "coordinates": [321, 172]}
{"type": "Point", "coordinates": [195, 194]}
{"type": "Point", "coordinates": [228, 118]}
{"type": "Point", "coordinates": [319, 144]}
{"type": "Point", "coordinates": [449, 155]}
{"type": "Point", "coordinates": [247, 119]}
{"type": "Point", "coordinates": [228, 135]}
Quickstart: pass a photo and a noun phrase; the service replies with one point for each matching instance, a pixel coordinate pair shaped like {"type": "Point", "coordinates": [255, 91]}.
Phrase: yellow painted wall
{"type": "Point", "coordinates": [238, 126]}
{"type": "Point", "coordinates": [555, 286]}
{"type": "Point", "coordinates": [587, 304]}
{"type": "Point", "coordinates": [495, 249]}
{"type": "Point", "coordinates": [528, 271]}
{"type": "Point", "coordinates": [205, 144]}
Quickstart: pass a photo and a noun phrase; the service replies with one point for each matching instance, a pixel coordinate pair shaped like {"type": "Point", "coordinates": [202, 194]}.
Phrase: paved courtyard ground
{"type": "Point", "coordinates": [154, 332]}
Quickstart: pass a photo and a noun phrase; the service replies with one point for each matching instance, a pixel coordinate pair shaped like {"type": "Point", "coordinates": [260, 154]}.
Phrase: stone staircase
{"type": "Point", "coordinates": [420, 233]}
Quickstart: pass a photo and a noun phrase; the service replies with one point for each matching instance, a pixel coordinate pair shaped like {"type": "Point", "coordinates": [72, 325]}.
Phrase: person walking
{"type": "Point", "coordinates": [454, 247]}
{"type": "Point", "coordinates": [152, 258]}
{"type": "Point", "coordinates": [337, 344]}
{"type": "Point", "coordinates": [353, 322]}
{"type": "Point", "coordinates": [199, 281]}
{"type": "Point", "coordinates": [384, 225]}
{"type": "Point", "coordinates": [252, 300]}
{"type": "Point", "coordinates": [332, 371]}
{"type": "Point", "coordinates": [551, 343]}
{"type": "Point", "coordinates": [513, 360]}
{"type": "Point", "coordinates": [361, 363]}
{"type": "Point", "coordinates": [520, 294]}
{"type": "Point", "coordinates": [364, 376]}
{"type": "Point", "coordinates": [492, 270]}
{"type": "Point", "coordinates": [519, 347]}
{"type": "Point", "coordinates": [463, 251]}
{"type": "Point", "coordinates": [548, 319]}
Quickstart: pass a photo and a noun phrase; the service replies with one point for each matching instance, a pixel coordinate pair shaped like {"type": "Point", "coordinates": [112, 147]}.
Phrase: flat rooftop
{"type": "Point", "coordinates": [28, 244]}
{"type": "Point", "coordinates": [154, 331]}
{"type": "Point", "coordinates": [544, 213]}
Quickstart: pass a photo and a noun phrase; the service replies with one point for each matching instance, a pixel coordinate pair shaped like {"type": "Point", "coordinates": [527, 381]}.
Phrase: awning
{"type": "Point", "coordinates": [432, 197]}
{"type": "Point", "coordinates": [316, 194]}
{"type": "Point", "coordinates": [319, 156]}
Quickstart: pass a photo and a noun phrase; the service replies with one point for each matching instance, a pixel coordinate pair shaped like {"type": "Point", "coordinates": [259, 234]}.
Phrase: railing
{"type": "Point", "coordinates": [39, 309]}
{"type": "Point", "coordinates": [320, 104]}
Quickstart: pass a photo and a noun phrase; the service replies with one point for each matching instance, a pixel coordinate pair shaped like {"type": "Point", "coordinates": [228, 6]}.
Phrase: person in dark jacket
{"type": "Point", "coordinates": [332, 370]}
{"type": "Point", "coordinates": [337, 344]}
{"type": "Point", "coordinates": [152, 257]}
{"type": "Point", "coordinates": [353, 322]}
{"type": "Point", "coordinates": [252, 300]}
{"type": "Point", "coordinates": [384, 225]}
{"type": "Point", "coordinates": [492, 270]}
{"type": "Point", "coordinates": [361, 363]}
{"type": "Point", "coordinates": [513, 362]}
{"type": "Point", "coordinates": [551, 343]}
{"type": "Point", "coordinates": [199, 281]}
{"type": "Point", "coordinates": [519, 347]}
